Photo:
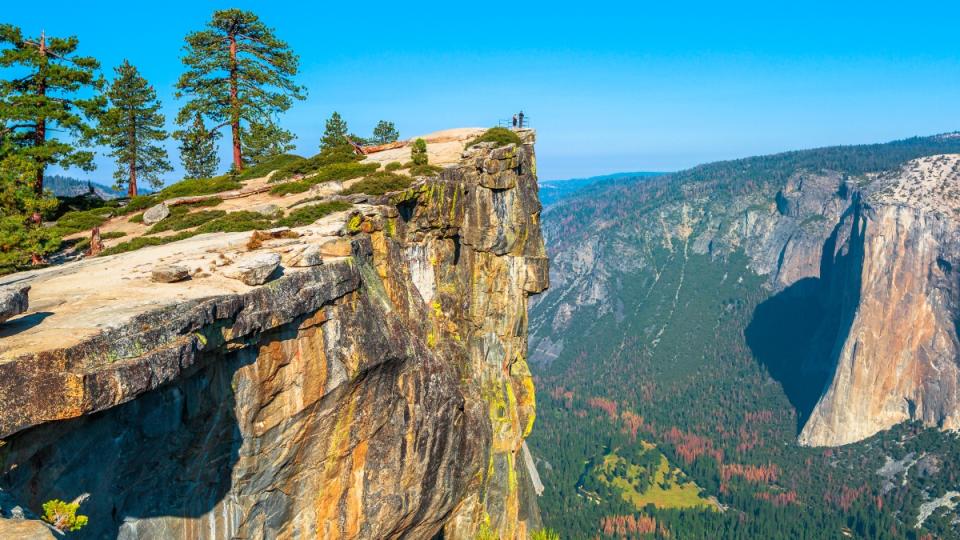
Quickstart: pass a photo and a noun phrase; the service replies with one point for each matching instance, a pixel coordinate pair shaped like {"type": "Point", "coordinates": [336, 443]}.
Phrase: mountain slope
{"type": "Point", "coordinates": [707, 311]}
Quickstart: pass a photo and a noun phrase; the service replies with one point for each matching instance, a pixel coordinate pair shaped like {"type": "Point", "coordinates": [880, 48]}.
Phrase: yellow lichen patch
{"type": "Point", "coordinates": [354, 224]}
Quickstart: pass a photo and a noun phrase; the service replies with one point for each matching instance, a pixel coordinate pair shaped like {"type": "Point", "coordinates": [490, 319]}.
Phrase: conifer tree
{"type": "Point", "coordinates": [198, 149]}
{"type": "Point", "coordinates": [385, 132]}
{"type": "Point", "coordinates": [237, 72]}
{"type": "Point", "coordinates": [43, 96]}
{"type": "Point", "coordinates": [264, 140]}
{"type": "Point", "coordinates": [418, 154]}
{"type": "Point", "coordinates": [334, 133]}
{"type": "Point", "coordinates": [23, 239]}
{"type": "Point", "coordinates": [132, 126]}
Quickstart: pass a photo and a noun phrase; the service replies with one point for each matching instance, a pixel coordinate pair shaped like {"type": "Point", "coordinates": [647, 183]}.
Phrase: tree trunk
{"type": "Point", "coordinates": [235, 105]}
{"type": "Point", "coordinates": [132, 141]}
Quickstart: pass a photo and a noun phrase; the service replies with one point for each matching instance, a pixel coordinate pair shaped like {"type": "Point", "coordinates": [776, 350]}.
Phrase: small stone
{"type": "Point", "coordinates": [311, 256]}
{"type": "Point", "coordinates": [13, 301]}
{"type": "Point", "coordinates": [156, 214]}
{"type": "Point", "coordinates": [255, 269]}
{"type": "Point", "coordinates": [266, 209]}
{"type": "Point", "coordinates": [170, 273]}
{"type": "Point", "coordinates": [336, 248]}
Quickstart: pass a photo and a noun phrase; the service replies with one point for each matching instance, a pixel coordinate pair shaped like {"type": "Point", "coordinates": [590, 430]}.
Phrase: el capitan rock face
{"type": "Point", "coordinates": [381, 394]}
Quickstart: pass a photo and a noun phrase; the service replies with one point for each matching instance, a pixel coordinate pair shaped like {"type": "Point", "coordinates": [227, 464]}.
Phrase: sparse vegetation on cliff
{"type": "Point", "coordinates": [63, 515]}
{"type": "Point", "coordinates": [498, 135]}
{"type": "Point", "coordinates": [380, 183]}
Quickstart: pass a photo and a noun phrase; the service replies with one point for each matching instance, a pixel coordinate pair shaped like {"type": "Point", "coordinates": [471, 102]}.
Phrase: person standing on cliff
{"type": "Point", "coordinates": [521, 119]}
{"type": "Point", "coordinates": [514, 121]}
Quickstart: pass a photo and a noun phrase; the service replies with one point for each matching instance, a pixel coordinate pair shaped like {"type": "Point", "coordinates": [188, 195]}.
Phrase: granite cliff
{"type": "Point", "coordinates": [381, 394]}
{"type": "Point", "coordinates": [856, 251]}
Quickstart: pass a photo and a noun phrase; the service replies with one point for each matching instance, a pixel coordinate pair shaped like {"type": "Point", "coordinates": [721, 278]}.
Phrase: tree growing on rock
{"type": "Point", "coordinates": [198, 149]}
{"type": "Point", "coordinates": [238, 73]}
{"type": "Point", "coordinates": [43, 96]}
{"type": "Point", "coordinates": [385, 132]}
{"type": "Point", "coordinates": [264, 140]}
{"type": "Point", "coordinates": [132, 127]}
{"type": "Point", "coordinates": [334, 132]}
{"type": "Point", "coordinates": [418, 154]}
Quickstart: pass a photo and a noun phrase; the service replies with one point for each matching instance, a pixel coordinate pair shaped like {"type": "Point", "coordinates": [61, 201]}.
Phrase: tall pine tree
{"type": "Point", "coordinates": [43, 96]}
{"type": "Point", "coordinates": [198, 149]}
{"type": "Point", "coordinates": [23, 239]}
{"type": "Point", "coordinates": [237, 72]}
{"type": "Point", "coordinates": [264, 140]}
{"type": "Point", "coordinates": [334, 133]}
{"type": "Point", "coordinates": [132, 126]}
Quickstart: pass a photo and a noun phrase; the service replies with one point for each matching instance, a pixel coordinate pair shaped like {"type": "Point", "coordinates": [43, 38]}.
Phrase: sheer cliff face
{"type": "Point", "coordinates": [870, 259]}
{"type": "Point", "coordinates": [898, 294]}
{"type": "Point", "coordinates": [384, 394]}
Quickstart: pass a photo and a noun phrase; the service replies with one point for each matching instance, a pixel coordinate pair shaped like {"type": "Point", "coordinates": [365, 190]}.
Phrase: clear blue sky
{"type": "Point", "coordinates": [637, 86]}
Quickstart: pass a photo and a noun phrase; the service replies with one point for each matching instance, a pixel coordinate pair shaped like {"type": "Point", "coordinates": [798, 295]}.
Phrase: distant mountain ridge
{"type": "Point", "coordinates": [553, 191]}
{"type": "Point", "coordinates": [65, 186]}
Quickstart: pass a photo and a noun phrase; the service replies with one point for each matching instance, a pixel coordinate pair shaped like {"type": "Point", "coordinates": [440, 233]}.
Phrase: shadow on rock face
{"type": "Point", "coordinates": [15, 326]}
{"type": "Point", "coordinates": [798, 333]}
{"type": "Point", "coordinates": [170, 452]}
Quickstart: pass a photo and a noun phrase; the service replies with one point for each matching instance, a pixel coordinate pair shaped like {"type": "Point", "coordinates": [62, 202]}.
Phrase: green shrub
{"type": "Point", "coordinates": [63, 515]}
{"type": "Point", "coordinates": [290, 187]}
{"type": "Point", "coordinates": [199, 186]}
{"type": "Point", "coordinates": [379, 183]}
{"type": "Point", "coordinates": [498, 135]}
{"type": "Point", "coordinates": [393, 166]}
{"type": "Point", "coordinates": [184, 220]}
{"type": "Point", "coordinates": [112, 235]}
{"type": "Point", "coordinates": [343, 171]}
{"type": "Point", "coordinates": [330, 156]}
{"type": "Point", "coordinates": [137, 218]}
{"type": "Point", "coordinates": [236, 222]}
{"type": "Point", "coordinates": [206, 203]}
{"type": "Point", "coordinates": [310, 214]}
{"type": "Point", "coordinates": [85, 220]}
{"type": "Point", "coordinates": [264, 168]}
{"type": "Point", "coordinates": [418, 154]}
{"type": "Point", "coordinates": [140, 203]}
{"type": "Point", "coordinates": [425, 170]}
{"type": "Point", "coordinates": [145, 241]}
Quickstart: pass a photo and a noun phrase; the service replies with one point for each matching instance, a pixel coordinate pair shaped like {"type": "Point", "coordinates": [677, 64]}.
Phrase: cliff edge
{"type": "Point", "coordinates": [379, 390]}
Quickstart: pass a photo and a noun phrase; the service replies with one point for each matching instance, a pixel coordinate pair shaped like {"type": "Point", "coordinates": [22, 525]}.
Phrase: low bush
{"type": "Point", "coordinates": [290, 187]}
{"type": "Point", "coordinates": [199, 186]}
{"type": "Point", "coordinates": [185, 220]}
{"type": "Point", "coordinates": [140, 203]}
{"type": "Point", "coordinates": [236, 222]}
{"type": "Point", "coordinates": [498, 135]}
{"type": "Point", "coordinates": [310, 214]}
{"type": "Point", "coordinates": [393, 166]}
{"type": "Point", "coordinates": [137, 218]}
{"type": "Point", "coordinates": [330, 156]}
{"type": "Point", "coordinates": [84, 220]}
{"type": "Point", "coordinates": [265, 167]}
{"type": "Point", "coordinates": [63, 515]}
{"type": "Point", "coordinates": [425, 170]}
{"type": "Point", "coordinates": [379, 183]}
{"type": "Point", "coordinates": [145, 241]}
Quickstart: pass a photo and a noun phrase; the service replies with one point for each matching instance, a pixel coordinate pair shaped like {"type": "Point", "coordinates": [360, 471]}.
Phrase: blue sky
{"type": "Point", "coordinates": [610, 87]}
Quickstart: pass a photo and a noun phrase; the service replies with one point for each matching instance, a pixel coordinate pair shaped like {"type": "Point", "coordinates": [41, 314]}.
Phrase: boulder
{"type": "Point", "coordinates": [336, 248]}
{"type": "Point", "coordinates": [156, 214]}
{"type": "Point", "coordinates": [170, 273]}
{"type": "Point", "coordinates": [13, 301]}
{"type": "Point", "coordinates": [254, 269]}
{"type": "Point", "coordinates": [311, 256]}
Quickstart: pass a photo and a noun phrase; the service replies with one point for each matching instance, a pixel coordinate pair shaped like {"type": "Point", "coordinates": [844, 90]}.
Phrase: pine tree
{"type": "Point", "coordinates": [237, 72]}
{"type": "Point", "coordinates": [264, 140]}
{"type": "Point", "coordinates": [132, 126]}
{"type": "Point", "coordinates": [334, 133]}
{"type": "Point", "coordinates": [385, 132]}
{"type": "Point", "coordinates": [198, 149]}
{"type": "Point", "coordinates": [44, 98]}
{"type": "Point", "coordinates": [23, 239]}
{"type": "Point", "coordinates": [418, 154]}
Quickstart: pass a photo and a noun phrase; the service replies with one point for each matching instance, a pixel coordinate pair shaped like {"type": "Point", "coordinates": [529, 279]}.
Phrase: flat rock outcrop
{"type": "Point", "coordinates": [381, 394]}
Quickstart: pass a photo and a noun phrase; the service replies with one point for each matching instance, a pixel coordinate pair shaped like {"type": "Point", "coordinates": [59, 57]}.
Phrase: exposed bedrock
{"type": "Point", "coordinates": [382, 395]}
